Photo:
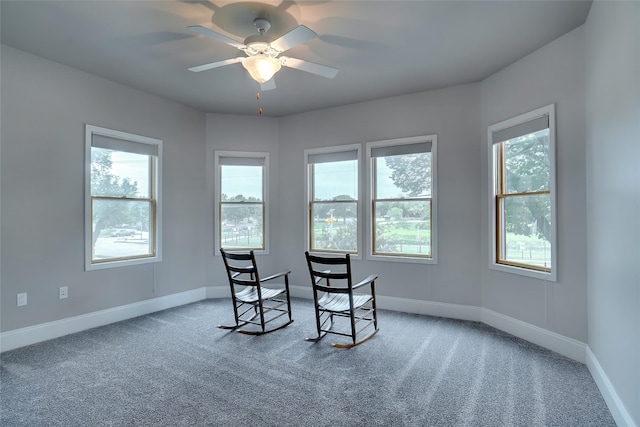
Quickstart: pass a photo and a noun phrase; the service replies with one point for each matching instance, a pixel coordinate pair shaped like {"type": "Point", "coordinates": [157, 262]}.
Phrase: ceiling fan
{"type": "Point", "coordinates": [263, 58]}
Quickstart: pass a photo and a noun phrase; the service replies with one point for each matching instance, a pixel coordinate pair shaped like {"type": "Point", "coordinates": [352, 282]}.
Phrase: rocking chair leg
{"type": "Point", "coordinates": [321, 334]}
{"type": "Point", "coordinates": [239, 324]}
{"type": "Point", "coordinates": [316, 339]}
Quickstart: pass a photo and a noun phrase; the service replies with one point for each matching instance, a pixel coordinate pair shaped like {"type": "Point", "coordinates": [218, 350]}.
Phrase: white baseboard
{"type": "Point", "coordinates": [214, 292]}
{"type": "Point", "coordinates": [46, 331]}
{"type": "Point", "coordinates": [566, 346]}
{"type": "Point", "coordinates": [429, 308]}
{"type": "Point", "coordinates": [298, 291]}
{"type": "Point", "coordinates": [615, 405]}
{"type": "Point", "coordinates": [58, 328]}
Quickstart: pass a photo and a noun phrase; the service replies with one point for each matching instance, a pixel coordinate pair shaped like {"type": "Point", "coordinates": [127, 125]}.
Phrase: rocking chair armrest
{"type": "Point", "coordinates": [366, 281]}
{"type": "Point", "coordinates": [274, 276]}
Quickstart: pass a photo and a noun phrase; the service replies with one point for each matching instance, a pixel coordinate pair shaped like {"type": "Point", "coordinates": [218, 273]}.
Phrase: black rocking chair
{"type": "Point", "coordinates": [334, 296]}
{"type": "Point", "coordinates": [254, 303]}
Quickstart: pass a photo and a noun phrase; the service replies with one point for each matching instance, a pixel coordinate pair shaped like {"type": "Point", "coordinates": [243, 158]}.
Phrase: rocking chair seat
{"type": "Point", "coordinates": [340, 302]}
{"type": "Point", "coordinates": [250, 295]}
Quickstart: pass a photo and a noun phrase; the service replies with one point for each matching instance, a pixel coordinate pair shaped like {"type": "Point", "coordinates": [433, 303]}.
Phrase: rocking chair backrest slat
{"type": "Point", "coordinates": [319, 268]}
{"type": "Point", "coordinates": [244, 266]}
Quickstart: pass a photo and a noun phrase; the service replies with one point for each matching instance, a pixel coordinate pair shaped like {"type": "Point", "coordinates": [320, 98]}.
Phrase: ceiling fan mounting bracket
{"type": "Point", "coordinates": [260, 44]}
{"type": "Point", "coordinates": [262, 25]}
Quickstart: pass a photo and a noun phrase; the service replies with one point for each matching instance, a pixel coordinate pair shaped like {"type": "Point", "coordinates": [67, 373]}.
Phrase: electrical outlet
{"type": "Point", "coordinates": [22, 299]}
{"type": "Point", "coordinates": [64, 292]}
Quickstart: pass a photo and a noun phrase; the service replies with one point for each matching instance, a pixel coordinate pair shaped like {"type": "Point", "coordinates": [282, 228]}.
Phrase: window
{"type": "Point", "coordinates": [241, 194]}
{"type": "Point", "coordinates": [332, 195]}
{"type": "Point", "coordinates": [402, 178]}
{"type": "Point", "coordinates": [523, 189]}
{"type": "Point", "coordinates": [122, 198]}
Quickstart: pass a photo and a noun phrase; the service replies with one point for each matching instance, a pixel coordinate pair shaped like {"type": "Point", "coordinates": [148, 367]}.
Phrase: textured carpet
{"type": "Point", "coordinates": [176, 367]}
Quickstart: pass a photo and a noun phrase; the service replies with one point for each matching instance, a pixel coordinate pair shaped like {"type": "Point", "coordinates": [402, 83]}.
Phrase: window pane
{"type": "Point", "coordinates": [526, 230]}
{"type": "Point", "coordinates": [403, 227]}
{"type": "Point", "coordinates": [241, 183]}
{"type": "Point", "coordinates": [526, 163]}
{"type": "Point", "coordinates": [117, 174]}
{"type": "Point", "coordinates": [121, 229]}
{"type": "Point", "coordinates": [241, 225]}
{"type": "Point", "coordinates": [407, 175]}
{"type": "Point", "coordinates": [335, 179]}
{"type": "Point", "coordinates": [335, 226]}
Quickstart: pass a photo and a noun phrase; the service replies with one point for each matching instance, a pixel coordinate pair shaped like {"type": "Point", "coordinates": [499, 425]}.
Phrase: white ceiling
{"type": "Point", "coordinates": [382, 48]}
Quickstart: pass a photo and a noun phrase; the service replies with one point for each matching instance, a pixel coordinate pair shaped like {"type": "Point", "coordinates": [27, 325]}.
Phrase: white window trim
{"type": "Point", "coordinates": [493, 264]}
{"type": "Point", "coordinates": [91, 130]}
{"type": "Point", "coordinates": [434, 199]}
{"type": "Point", "coordinates": [307, 193]}
{"type": "Point", "coordinates": [218, 194]}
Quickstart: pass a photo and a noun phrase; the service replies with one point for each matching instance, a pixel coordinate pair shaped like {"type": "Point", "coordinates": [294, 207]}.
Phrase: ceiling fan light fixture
{"type": "Point", "coordinates": [261, 68]}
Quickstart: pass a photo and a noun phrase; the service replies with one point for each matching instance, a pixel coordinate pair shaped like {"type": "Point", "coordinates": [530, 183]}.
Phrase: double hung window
{"type": "Point", "coordinates": [523, 190]}
{"type": "Point", "coordinates": [123, 216]}
{"type": "Point", "coordinates": [332, 195]}
{"type": "Point", "coordinates": [241, 199]}
{"type": "Point", "coordinates": [402, 188]}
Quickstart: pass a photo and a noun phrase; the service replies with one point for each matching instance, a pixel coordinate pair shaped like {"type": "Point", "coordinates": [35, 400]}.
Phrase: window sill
{"type": "Point", "coordinates": [402, 259]}
{"type": "Point", "coordinates": [120, 263]}
{"type": "Point", "coordinates": [548, 277]}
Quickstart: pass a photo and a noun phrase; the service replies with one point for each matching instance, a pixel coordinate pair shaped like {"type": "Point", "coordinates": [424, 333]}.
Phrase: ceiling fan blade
{"type": "Point", "coordinates": [215, 35]}
{"type": "Point", "coordinates": [268, 85]}
{"type": "Point", "coordinates": [298, 35]}
{"type": "Point", "coordinates": [217, 64]}
{"type": "Point", "coordinates": [309, 67]}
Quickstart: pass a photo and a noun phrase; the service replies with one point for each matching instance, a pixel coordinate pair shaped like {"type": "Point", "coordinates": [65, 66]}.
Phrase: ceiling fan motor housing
{"type": "Point", "coordinates": [259, 45]}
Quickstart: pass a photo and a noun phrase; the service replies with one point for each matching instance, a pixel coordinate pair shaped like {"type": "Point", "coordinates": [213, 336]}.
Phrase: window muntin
{"type": "Point", "coordinates": [523, 191]}
{"type": "Point", "coordinates": [333, 178]}
{"type": "Point", "coordinates": [123, 188]}
{"type": "Point", "coordinates": [241, 200]}
{"type": "Point", "coordinates": [402, 202]}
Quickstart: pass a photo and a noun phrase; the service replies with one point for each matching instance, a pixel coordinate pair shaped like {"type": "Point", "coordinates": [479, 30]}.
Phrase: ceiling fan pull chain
{"type": "Point", "coordinates": [260, 107]}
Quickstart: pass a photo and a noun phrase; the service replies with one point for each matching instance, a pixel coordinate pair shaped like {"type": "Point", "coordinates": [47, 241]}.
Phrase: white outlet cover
{"type": "Point", "coordinates": [22, 299]}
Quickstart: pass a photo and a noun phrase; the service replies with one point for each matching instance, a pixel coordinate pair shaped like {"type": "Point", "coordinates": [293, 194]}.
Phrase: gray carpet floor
{"type": "Point", "coordinates": [176, 368]}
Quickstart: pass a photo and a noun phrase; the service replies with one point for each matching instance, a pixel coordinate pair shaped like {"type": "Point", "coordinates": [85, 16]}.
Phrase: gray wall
{"type": "Point", "coordinates": [613, 188]}
{"type": "Point", "coordinates": [450, 113]}
{"type": "Point", "coordinates": [552, 74]}
{"type": "Point", "coordinates": [44, 109]}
